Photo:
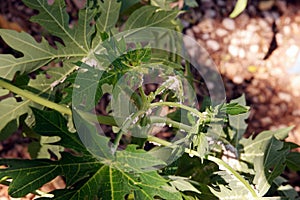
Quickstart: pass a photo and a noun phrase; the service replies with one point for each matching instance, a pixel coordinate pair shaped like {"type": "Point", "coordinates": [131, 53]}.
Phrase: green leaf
{"type": "Point", "coordinates": [40, 148]}
{"type": "Point", "coordinates": [87, 85]}
{"type": "Point", "coordinates": [115, 184]}
{"type": "Point", "coordinates": [35, 54]}
{"type": "Point", "coordinates": [53, 124]}
{"type": "Point", "coordinates": [234, 189]}
{"type": "Point", "coordinates": [191, 3]}
{"type": "Point", "coordinates": [10, 128]}
{"type": "Point", "coordinates": [269, 166]}
{"type": "Point", "coordinates": [287, 190]}
{"type": "Point", "coordinates": [96, 143]}
{"type": "Point", "coordinates": [202, 145]}
{"type": "Point", "coordinates": [109, 14]}
{"type": "Point", "coordinates": [39, 172]}
{"type": "Point", "coordinates": [88, 178]}
{"type": "Point", "coordinates": [150, 16]}
{"type": "Point", "coordinates": [252, 148]}
{"type": "Point", "coordinates": [131, 172]}
{"type": "Point", "coordinates": [234, 109]}
{"type": "Point", "coordinates": [183, 184]}
{"type": "Point", "coordinates": [293, 161]}
{"type": "Point", "coordinates": [10, 110]}
{"type": "Point", "coordinates": [163, 4]}
{"type": "Point", "coordinates": [126, 4]}
{"type": "Point", "coordinates": [239, 7]}
{"type": "Point", "coordinates": [268, 154]}
{"type": "Point", "coordinates": [55, 20]}
{"type": "Point", "coordinates": [237, 122]}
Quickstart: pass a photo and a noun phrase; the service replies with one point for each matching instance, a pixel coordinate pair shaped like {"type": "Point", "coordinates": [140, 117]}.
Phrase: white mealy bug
{"type": "Point", "coordinates": [173, 83]}
{"type": "Point", "coordinates": [90, 61]}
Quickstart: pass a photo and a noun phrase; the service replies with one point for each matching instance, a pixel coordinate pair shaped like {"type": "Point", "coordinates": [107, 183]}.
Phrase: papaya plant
{"type": "Point", "coordinates": [141, 71]}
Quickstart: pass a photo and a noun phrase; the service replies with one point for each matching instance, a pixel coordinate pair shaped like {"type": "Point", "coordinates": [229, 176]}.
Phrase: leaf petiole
{"type": "Point", "coordinates": [33, 97]}
{"type": "Point", "coordinates": [178, 105]}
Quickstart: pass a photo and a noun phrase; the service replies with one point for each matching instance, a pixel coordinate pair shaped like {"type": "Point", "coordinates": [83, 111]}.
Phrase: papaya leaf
{"type": "Point", "coordinates": [234, 189]}
{"type": "Point", "coordinates": [268, 154]}
{"type": "Point", "coordinates": [53, 124]}
{"type": "Point", "coordinates": [86, 175]}
{"type": "Point", "coordinates": [293, 161]}
{"type": "Point", "coordinates": [127, 4]}
{"type": "Point", "coordinates": [237, 122]}
{"type": "Point", "coordinates": [87, 85]}
{"type": "Point", "coordinates": [191, 3]}
{"type": "Point", "coordinates": [38, 172]}
{"type": "Point", "coordinates": [10, 110]}
{"type": "Point", "coordinates": [285, 189]}
{"type": "Point", "coordinates": [183, 184]}
{"type": "Point", "coordinates": [269, 166]}
{"type": "Point", "coordinates": [89, 178]}
{"type": "Point", "coordinates": [35, 54]}
{"type": "Point", "coordinates": [234, 108]}
{"type": "Point", "coordinates": [55, 19]}
{"type": "Point", "coordinates": [163, 4]}
{"type": "Point", "coordinates": [76, 42]}
{"type": "Point", "coordinates": [108, 14]}
{"type": "Point", "coordinates": [150, 16]}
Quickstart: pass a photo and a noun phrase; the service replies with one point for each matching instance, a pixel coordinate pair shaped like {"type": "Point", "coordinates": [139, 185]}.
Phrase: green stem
{"type": "Point", "coordinates": [143, 95]}
{"type": "Point", "coordinates": [155, 119]}
{"type": "Point", "coordinates": [125, 126]}
{"type": "Point", "coordinates": [178, 105]}
{"type": "Point", "coordinates": [216, 160]}
{"type": "Point", "coordinates": [33, 97]}
{"type": "Point", "coordinates": [108, 120]}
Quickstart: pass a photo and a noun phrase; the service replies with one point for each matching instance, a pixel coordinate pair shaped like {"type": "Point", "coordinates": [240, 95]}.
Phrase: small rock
{"type": "Point", "coordinates": [284, 96]}
{"type": "Point", "coordinates": [196, 29]}
{"type": "Point", "coordinates": [292, 51]}
{"type": "Point", "coordinates": [238, 79]}
{"type": "Point", "coordinates": [266, 121]}
{"type": "Point", "coordinates": [235, 41]}
{"type": "Point", "coordinates": [262, 24]}
{"type": "Point", "coordinates": [210, 13]}
{"type": "Point", "coordinates": [251, 27]}
{"type": "Point", "coordinates": [295, 83]}
{"type": "Point", "coordinates": [205, 36]}
{"type": "Point", "coordinates": [185, 23]}
{"type": "Point", "coordinates": [228, 24]}
{"type": "Point", "coordinates": [213, 45]}
{"type": "Point", "coordinates": [221, 3]}
{"type": "Point", "coordinates": [254, 48]}
{"type": "Point", "coordinates": [286, 30]}
{"type": "Point", "coordinates": [206, 26]}
{"type": "Point", "coordinates": [233, 50]}
{"type": "Point", "coordinates": [242, 53]}
{"type": "Point", "coordinates": [221, 32]}
{"type": "Point", "coordinates": [190, 33]}
{"type": "Point", "coordinates": [296, 112]}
